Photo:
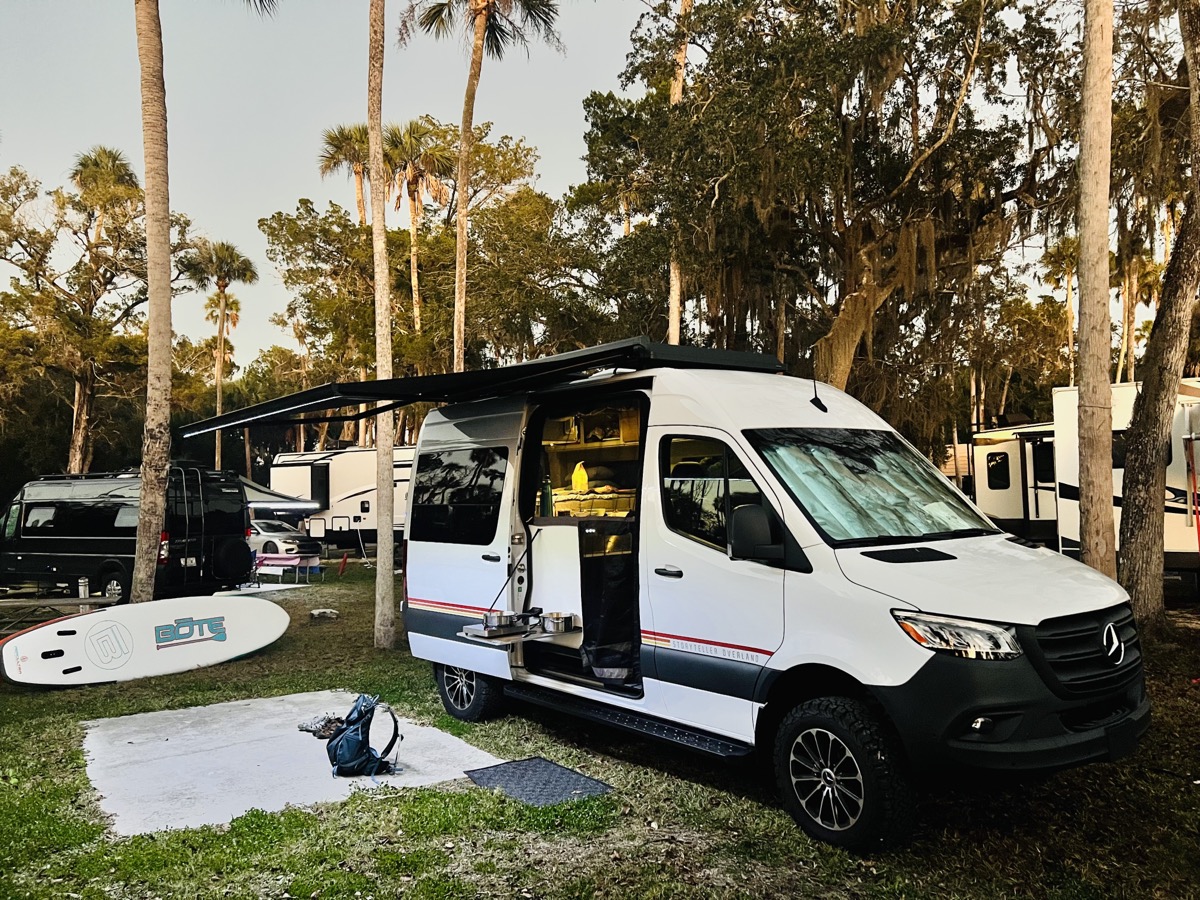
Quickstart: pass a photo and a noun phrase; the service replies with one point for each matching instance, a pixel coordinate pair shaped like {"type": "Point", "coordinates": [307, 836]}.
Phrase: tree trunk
{"type": "Point", "coordinates": [1071, 326]}
{"type": "Point", "coordinates": [219, 374]}
{"type": "Point", "coordinates": [246, 445]}
{"type": "Point", "coordinates": [1149, 435]}
{"type": "Point", "coordinates": [1097, 538]}
{"type": "Point", "coordinates": [358, 195]}
{"type": "Point", "coordinates": [414, 229]}
{"type": "Point", "coordinates": [385, 576]}
{"type": "Point", "coordinates": [81, 419]}
{"type": "Point", "coordinates": [675, 300]}
{"type": "Point", "coordinates": [481, 10]}
{"type": "Point", "coordinates": [156, 438]}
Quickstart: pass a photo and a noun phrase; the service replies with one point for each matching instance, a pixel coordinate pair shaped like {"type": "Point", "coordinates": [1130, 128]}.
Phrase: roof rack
{"type": "Point", "coordinates": [458, 387]}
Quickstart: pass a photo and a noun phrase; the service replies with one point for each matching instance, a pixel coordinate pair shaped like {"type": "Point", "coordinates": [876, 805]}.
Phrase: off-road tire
{"type": "Point", "coordinates": [839, 772]}
{"type": "Point", "coordinates": [467, 695]}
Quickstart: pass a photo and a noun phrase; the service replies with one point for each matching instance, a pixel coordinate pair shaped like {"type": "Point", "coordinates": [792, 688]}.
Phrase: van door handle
{"type": "Point", "coordinates": [492, 557]}
{"type": "Point", "coordinates": [669, 572]}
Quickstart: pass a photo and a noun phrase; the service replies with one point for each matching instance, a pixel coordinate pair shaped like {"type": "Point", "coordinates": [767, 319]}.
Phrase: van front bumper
{"type": "Point", "coordinates": [1005, 715]}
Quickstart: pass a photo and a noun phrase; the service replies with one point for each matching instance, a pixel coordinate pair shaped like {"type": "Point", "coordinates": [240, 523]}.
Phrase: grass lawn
{"type": "Point", "coordinates": [676, 824]}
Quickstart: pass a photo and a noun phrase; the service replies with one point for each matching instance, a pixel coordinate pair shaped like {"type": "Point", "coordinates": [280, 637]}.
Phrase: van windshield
{"type": "Point", "coordinates": [865, 487]}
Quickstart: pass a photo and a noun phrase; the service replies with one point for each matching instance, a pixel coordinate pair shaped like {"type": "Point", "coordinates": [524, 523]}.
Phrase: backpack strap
{"type": "Point", "coordinates": [382, 761]}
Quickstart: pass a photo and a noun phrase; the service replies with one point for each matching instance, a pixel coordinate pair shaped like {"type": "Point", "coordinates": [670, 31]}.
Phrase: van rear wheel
{"type": "Point", "coordinates": [114, 585]}
{"type": "Point", "coordinates": [467, 695]}
{"type": "Point", "coordinates": [839, 774]}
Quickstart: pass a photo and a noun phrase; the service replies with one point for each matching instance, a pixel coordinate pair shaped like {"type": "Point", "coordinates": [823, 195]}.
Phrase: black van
{"type": "Point", "coordinates": [61, 528]}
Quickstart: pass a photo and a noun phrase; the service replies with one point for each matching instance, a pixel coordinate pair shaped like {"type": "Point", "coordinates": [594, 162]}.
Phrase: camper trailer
{"type": "Point", "coordinates": [343, 485]}
{"type": "Point", "coordinates": [687, 544]}
{"type": "Point", "coordinates": [1013, 478]}
{"type": "Point", "coordinates": [1026, 478]}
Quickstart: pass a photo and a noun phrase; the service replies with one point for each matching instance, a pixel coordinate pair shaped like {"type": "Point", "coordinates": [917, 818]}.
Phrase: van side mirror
{"type": "Point", "coordinates": [750, 534]}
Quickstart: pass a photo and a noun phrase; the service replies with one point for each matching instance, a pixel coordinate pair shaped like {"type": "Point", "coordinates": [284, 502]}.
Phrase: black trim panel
{"type": "Point", "coordinates": [728, 677]}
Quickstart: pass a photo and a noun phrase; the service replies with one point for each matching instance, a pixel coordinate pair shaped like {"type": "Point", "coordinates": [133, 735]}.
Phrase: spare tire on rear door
{"type": "Point", "coordinates": [232, 560]}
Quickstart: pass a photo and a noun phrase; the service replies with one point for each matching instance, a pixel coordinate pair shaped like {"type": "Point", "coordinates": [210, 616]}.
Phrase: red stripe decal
{"type": "Point", "coordinates": [679, 637]}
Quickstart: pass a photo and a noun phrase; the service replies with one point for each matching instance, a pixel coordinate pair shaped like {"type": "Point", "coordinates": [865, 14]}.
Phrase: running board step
{"type": "Point", "coordinates": [628, 720]}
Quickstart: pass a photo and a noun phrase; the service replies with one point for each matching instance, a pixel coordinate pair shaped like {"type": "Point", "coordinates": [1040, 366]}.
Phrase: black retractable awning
{"type": "Point", "coordinates": [519, 378]}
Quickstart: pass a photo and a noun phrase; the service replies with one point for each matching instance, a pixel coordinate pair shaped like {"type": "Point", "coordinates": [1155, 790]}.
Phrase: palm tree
{"type": "Point", "coordinates": [494, 26]}
{"type": "Point", "coordinates": [675, 299]}
{"type": "Point", "coordinates": [219, 264]}
{"type": "Point", "coordinates": [344, 147]}
{"type": "Point", "coordinates": [419, 162]}
{"type": "Point", "coordinates": [156, 437]}
{"type": "Point", "coordinates": [1060, 263]}
{"type": "Point", "coordinates": [104, 177]}
{"type": "Point", "coordinates": [385, 424]}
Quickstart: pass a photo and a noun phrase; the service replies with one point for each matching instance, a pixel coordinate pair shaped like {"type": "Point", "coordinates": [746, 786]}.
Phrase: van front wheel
{"type": "Point", "coordinates": [467, 695]}
{"type": "Point", "coordinates": [838, 773]}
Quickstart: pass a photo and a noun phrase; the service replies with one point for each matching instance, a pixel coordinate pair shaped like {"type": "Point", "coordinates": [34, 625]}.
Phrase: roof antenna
{"type": "Point", "coordinates": [816, 401]}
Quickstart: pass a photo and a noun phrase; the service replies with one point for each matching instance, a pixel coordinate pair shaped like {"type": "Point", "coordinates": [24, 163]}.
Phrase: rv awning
{"type": "Point", "coordinates": [259, 497]}
{"type": "Point", "coordinates": [536, 374]}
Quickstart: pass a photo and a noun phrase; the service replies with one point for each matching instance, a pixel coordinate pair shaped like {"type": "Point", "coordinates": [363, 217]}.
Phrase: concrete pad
{"type": "Point", "coordinates": [207, 765]}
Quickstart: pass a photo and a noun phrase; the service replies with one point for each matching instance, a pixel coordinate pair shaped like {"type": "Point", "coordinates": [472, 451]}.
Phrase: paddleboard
{"type": "Point", "coordinates": [140, 640]}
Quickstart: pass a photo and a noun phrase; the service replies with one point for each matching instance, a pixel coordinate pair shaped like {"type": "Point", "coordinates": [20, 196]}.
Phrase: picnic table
{"type": "Point", "coordinates": [279, 564]}
{"type": "Point", "coordinates": [20, 611]}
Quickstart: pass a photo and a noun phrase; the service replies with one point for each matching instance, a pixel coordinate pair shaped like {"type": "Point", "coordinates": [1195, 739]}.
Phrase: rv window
{"type": "Point", "coordinates": [997, 471]}
{"type": "Point", "coordinates": [456, 495]}
{"type": "Point", "coordinates": [702, 480]}
{"type": "Point", "coordinates": [1043, 463]}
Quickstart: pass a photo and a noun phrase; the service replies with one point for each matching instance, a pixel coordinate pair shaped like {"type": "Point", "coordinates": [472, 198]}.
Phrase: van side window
{"type": "Point", "coordinates": [997, 471]}
{"type": "Point", "coordinates": [456, 495]}
{"type": "Point", "coordinates": [10, 523]}
{"type": "Point", "coordinates": [702, 481]}
{"type": "Point", "coordinates": [39, 519]}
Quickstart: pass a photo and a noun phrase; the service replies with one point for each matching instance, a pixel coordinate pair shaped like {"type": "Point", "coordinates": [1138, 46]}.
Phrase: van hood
{"type": "Point", "coordinates": [989, 577]}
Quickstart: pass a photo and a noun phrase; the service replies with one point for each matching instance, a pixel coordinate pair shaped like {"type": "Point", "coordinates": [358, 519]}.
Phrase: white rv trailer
{"type": "Point", "coordinates": [1026, 478]}
{"type": "Point", "coordinates": [342, 483]}
{"type": "Point", "coordinates": [1182, 552]}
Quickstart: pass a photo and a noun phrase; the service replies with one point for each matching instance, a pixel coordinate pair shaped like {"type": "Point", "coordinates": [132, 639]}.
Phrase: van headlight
{"type": "Point", "coordinates": [959, 637]}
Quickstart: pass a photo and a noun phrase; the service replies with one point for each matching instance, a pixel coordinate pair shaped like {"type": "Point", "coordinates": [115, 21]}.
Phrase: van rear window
{"type": "Point", "coordinates": [456, 495]}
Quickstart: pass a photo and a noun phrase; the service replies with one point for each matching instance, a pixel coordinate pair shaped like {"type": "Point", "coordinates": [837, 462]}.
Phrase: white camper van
{"type": "Point", "coordinates": [722, 559]}
{"type": "Point", "coordinates": [686, 544]}
{"type": "Point", "coordinates": [342, 483]}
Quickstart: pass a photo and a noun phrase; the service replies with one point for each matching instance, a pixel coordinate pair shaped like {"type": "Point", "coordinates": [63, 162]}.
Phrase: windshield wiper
{"type": "Point", "coordinates": [956, 533]}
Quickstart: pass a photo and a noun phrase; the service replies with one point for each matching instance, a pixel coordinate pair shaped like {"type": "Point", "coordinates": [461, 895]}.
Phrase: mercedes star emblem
{"type": "Point", "coordinates": [1114, 647]}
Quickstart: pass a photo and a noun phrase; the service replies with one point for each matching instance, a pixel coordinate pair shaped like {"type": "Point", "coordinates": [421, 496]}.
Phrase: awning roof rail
{"type": "Point", "coordinates": [458, 387]}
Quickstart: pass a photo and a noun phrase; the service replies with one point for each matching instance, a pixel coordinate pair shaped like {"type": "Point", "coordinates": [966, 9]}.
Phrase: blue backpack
{"type": "Point", "coordinates": [349, 747]}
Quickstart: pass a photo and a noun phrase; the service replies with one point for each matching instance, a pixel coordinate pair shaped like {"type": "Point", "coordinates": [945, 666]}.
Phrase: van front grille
{"type": "Point", "coordinates": [1082, 656]}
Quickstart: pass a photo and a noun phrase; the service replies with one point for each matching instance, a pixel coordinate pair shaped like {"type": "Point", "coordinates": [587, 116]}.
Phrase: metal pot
{"type": "Point", "coordinates": [499, 618]}
{"type": "Point", "coordinates": [557, 622]}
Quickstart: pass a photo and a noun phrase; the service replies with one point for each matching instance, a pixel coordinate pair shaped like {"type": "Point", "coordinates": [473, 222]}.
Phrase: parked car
{"type": "Point", "coordinates": [274, 536]}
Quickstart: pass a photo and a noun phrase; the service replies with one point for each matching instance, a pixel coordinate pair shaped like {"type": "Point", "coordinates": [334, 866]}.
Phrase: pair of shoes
{"type": "Point", "coordinates": [322, 727]}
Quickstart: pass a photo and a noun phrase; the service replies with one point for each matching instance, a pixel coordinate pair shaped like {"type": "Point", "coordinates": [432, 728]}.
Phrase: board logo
{"type": "Point", "coordinates": [108, 644]}
{"type": "Point", "coordinates": [188, 631]}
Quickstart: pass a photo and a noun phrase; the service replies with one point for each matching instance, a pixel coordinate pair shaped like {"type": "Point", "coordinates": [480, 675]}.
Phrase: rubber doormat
{"type": "Point", "coordinates": [538, 781]}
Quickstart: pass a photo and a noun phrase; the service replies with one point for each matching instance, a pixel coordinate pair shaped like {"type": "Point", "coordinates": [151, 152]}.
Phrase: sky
{"type": "Point", "coordinates": [248, 98]}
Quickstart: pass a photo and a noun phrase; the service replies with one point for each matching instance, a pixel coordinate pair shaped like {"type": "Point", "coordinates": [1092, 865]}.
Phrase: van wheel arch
{"type": "Point", "coordinates": [802, 683]}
